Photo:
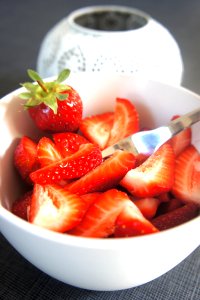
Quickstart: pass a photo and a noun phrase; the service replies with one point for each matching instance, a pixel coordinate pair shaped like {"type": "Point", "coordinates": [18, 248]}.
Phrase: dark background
{"type": "Point", "coordinates": [23, 25]}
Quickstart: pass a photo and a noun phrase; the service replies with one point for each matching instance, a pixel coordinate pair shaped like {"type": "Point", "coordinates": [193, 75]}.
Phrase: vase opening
{"type": "Point", "coordinates": [106, 19]}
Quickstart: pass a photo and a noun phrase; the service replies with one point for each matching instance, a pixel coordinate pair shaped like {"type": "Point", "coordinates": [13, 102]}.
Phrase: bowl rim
{"type": "Point", "coordinates": [106, 7]}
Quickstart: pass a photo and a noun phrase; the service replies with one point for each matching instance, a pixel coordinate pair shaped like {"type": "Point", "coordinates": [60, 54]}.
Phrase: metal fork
{"type": "Point", "coordinates": [147, 142]}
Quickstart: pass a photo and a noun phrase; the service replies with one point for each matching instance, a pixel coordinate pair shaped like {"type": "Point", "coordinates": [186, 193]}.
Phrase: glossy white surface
{"type": "Point", "coordinates": [97, 264]}
{"type": "Point", "coordinates": [150, 50]}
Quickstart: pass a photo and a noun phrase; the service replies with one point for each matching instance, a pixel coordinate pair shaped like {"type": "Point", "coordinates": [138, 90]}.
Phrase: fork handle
{"type": "Point", "coordinates": [184, 121]}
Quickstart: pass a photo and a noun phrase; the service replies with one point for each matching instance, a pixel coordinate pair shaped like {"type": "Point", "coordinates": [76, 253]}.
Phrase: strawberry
{"type": "Point", "coordinates": [54, 208]}
{"type": "Point", "coordinates": [97, 128]}
{"type": "Point", "coordinates": [168, 206]}
{"type": "Point", "coordinates": [73, 166]}
{"type": "Point", "coordinates": [99, 220]}
{"type": "Point", "coordinates": [154, 176]}
{"type": "Point", "coordinates": [105, 176]}
{"type": "Point", "coordinates": [21, 205]}
{"type": "Point", "coordinates": [176, 217]}
{"type": "Point", "coordinates": [187, 176]}
{"type": "Point", "coordinates": [90, 198]}
{"type": "Point", "coordinates": [25, 157]}
{"type": "Point", "coordinates": [147, 206]}
{"type": "Point", "coordinates": [126, 121]}
{"type": "Point", "coordinates": [180, 141]}
{"type": "Point", "coordinates": [47, 152]}
{"type": "Point", "coordinates": [53, 106]}
{"type": "Point", "coordinates": [68, 142]}
{"type": "Point", "coordinates": [131, 222]}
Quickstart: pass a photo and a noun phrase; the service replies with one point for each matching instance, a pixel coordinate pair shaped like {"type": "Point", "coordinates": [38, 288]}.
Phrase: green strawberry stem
{"type": "Point", "coordinates": [45, 92]}
{"type": "Point", "coordinates": [42, 86]}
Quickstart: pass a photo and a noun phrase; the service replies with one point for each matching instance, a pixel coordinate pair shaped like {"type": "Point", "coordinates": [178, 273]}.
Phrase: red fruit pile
{"type": "Point", "coordinates": [73, 190]}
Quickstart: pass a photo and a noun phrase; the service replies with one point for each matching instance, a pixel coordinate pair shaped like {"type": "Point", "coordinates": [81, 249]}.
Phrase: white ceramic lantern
{"type": "Point", "coordinates": [111, 39]}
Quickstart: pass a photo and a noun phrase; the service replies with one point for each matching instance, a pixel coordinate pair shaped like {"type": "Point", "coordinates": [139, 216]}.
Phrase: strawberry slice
{"type": "Point", "coordinates": [73, 166]}
{"type": "Point", "coordinates": [47, 152]}
{"type": "Point", "coordinates": [187, 176]}
{"type": "Point", "coordinates": [126, 121]}
{"type": "Point", "coordinates": [20, 206]}
{"type": "Point", "coordinates": [154, 176]}
{"type": "Point", "coordinates": [99, 220]}
{"type": "Point", "coordinates": [105, 176]}
{"type": "Point", "coordinates": [25, 157]}
{"type": "Point", "coordinates": [131, 222]}
{"type": "Point", "coordinates": [97, 128]}
{"type": "Point", "coordinates": [54, 208]}
{"type": "Point", "coordinates": [170, 205]}
{"type": "Point", "coordinates": [68, 142]}
{"type": "Point", "coordinates": [176, 217]}
{"type": "Point", "coordinates": [180, 141]}
{"type": "Point", "coordinates": [90, 198]}
{"type": "Point", "coordinates": [147, 206]}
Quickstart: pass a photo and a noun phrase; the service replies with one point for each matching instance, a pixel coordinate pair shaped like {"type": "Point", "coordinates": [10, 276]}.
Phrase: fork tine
{"type": "Point", "coordinates": [125, 144]}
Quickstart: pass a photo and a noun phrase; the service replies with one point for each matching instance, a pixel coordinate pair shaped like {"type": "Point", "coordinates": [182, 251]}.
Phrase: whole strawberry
{"type": "Point", "coordinates": [54, 106]}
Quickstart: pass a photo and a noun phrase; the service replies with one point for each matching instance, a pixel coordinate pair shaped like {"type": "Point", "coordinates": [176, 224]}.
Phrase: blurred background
{"type": "Point", "coordinates": [24, 23]}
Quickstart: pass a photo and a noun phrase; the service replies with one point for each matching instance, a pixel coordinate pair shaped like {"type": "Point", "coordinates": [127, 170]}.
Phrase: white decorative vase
{"type": "Point", "coordinates": [111, 39]}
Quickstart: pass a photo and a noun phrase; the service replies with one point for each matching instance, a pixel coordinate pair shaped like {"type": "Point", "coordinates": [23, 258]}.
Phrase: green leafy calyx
{"type": "Point", "coordinates": [45, 92]}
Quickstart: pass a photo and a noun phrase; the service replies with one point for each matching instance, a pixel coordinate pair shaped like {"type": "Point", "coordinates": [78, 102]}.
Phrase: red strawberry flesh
{"type": "Point", "coordinates": [105, 176]}
{"type": "Point", "coordinates": [76, 165]}
{"type": "Point", "coordinates": [56, 209]}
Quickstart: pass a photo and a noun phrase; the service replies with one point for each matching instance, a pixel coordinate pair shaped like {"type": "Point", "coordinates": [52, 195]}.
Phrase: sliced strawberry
{"type": "Point", "coordinates": [171, 205]}
{"type": "Point", "coordinates": [187, 176]}
{"type": "Point", "coordinates": [147, 206]}
{"type": "Point", "coordinates": [176, 217]}
{"type": "Point", "coordinates": [126, 121]}
{"type": "Point", "coordinates": [54, 208]}
{"type": "Point", "coordinates": [105, 176]}
{"type": "Point", "coordinates": [47, 152]}
{"type": "Point", "coordinates": [97, 128]}
{"type": "Point", "coordinates": [25, 157]}
{"type": "Point", "coordinates": [131, 222]}
{"type": "Point", "coordinates": [154, 176]}
{"type": "Point", "coordinates": [20, 206]}
{"type": "Point", "coordinates": [73, 166]}
{"type": "Point", "coordinates": [165, 197]}
{"type": "Point", "coordinates": [180, 141]}
{"type": "Point", "coordinates": [99, 220]}
{"type": "Point", "coordinates": [90, 198]}
{"type": "Point", "coordinates": [68, 142]}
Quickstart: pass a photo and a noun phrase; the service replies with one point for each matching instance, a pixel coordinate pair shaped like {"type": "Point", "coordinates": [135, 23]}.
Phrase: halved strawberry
{"type": "Point", "coordinates": [126, 121]}
{"type": "Point", "coordinates": [47, 152]}
{"type": "Point", "coordinates": [176, 217]}
{"type": "Point", "coordinates": [99, 220]}
{"type": "Point", "coordinates": [90, 198]}
{"type": "Point", "coordinates": [68, 142]}
{"type": "Point", "coordinates": [105, 176]}
{"type": "Point", "coordinates": [154, 176]}
{"type": "Point", "coordinates": [147, 206]}
{"type": "Point", "coordinates": [25, 157]}
{"type": "Point", "coordinates": [187, 176]}
{"type": "Point", "coordinates": [20, 206]}
{"type": "Point", "coordinates": [170, 205]}
{"type": "Point", "coordinates": [180, 141]}
{"type": "Point", "coordinates": [73, 166]}
{"type": "Point", "coordinates": [131, 222]}
{"type": "Point", "coordinates": [97, 128]}
{"type": "Point", "coordinates": [54, 208]}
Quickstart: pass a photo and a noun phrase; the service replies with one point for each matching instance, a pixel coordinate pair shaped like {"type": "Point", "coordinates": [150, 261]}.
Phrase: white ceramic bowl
{"type": "Point", "coordinates": [97, 264]}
